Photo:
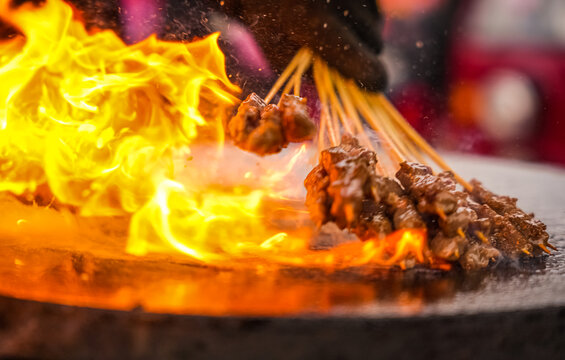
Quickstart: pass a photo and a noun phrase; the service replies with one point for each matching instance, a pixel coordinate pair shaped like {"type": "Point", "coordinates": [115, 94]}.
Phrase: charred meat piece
{"type": "Point", "coordinates": [462, 228]}
{"type": "Point", "coordinates": [344, 188]}
{"type": "Point", "coordinates": [247, 118]}
{"type": "Point", "coordinates": [317, 199]}
{"type": "Point", "coordinates": [373, 221]}
{"type": "Point", "coordinates": [503, 235]}
{"type": "Point", "coordinates": [438, 195]}
{"type": "Point", "coordinates": [481, 229]}
{"type": "Point", "coordinates": [531, 229]}
{"type": "Point", "coordinates": [399, 206]}
{"type": "Point", "coordinates": [434, 194]}
{"type": "Point", "coordinates": [383, 187]}
{"type": "Point", "coordinates": [498, 203]}
{"type": "Point", "coordinates": [348, 181]}
{"type": "Point", "coordinates": [479, 256]}
{"type": "Point", "coordinates": [350, 171]}
{"type": "Point", "coordinates": [403, 212]}
{"type": "Point", "coordinates": [458, 221]}
{"type": "Point", "coordinates": [297, 125]}
{"type": "Point", "coordinates": [267, 137]}
{"type": "Point", "coordinates": [337, 186]}
{"type": "Point", "coordinates": [339, 190]}
{"type": "Point", "coordinates": [448, 248]}
{"type": "Point", "coordinates": [267, 129]}
{"type": "Point", "coordinates": [348, 149]}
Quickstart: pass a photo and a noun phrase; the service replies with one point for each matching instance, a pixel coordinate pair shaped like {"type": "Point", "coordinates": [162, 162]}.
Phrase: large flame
{"type": "Point", "coordinates": [103, 125]}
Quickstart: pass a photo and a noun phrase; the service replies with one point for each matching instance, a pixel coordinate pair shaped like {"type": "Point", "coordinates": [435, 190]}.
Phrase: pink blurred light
{"type": "Point", "coordinates": [141, 18]}
{"type": "Point", "coordinates": [245, 47]}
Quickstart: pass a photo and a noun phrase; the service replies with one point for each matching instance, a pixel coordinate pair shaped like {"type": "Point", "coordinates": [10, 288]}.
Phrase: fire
{"type": "Point", "coordinates": [109, 129]}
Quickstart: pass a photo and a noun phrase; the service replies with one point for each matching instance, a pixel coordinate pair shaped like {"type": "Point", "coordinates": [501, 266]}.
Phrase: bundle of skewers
{"type": "Point", "coordinates": [373, 197]}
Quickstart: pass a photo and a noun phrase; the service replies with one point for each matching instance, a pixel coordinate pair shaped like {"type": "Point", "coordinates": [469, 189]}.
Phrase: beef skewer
{"type": "Point", "coordinates": [501, 233]}
{"type": "Point", "coordinates": [533, 231]}
{"type": "Point", "coordinates": [461, 229]}
{"type": "Point", "coordinates": [267, 129]}
{"type": "Point", "coordinates": [344, 188]}
{"type": "Point", "coordinates": [399, 206]}
{"type": "Point", "coordinates": [339, 190]}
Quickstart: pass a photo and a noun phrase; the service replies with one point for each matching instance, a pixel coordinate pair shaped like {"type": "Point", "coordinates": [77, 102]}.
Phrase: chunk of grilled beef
{"type": "Point", "coordinates": [448, 248]}
{"type": "Point", "coordinates": [502, 235]}
{"type": "Point", "coordinates": [462, 227]}
{"type": "Point", "coordinates": [296, 123]}
{"type": "Point", "coordinates": [533, 230]}
{"type": "Point", "coordinates": [398, 206]}
{"type": "Point", "coordinates": [438, 195]}
{"type": "Point", "coordinates": [403, 212]}
{"type": "Point", "coordinates": [479, 256]}
{"type": "Point", "coordinates": [350, 183]}
{"type": "Point", "coordinates": [373, 221]}
{"type": "Point", "coordinates": [267, 129]}
{"type": "Point", "coordinates": [267, 137]}
{"type": "Point", "coordinates": [318, 201]}
{"type": "Point", "coordinates": [434, 194]}
{"type": "Point", "coordinates": [246, 120]}
{"type": "Point", "coordinates": [344, 188]}
{"type": "Point", "coordinates": [458, 221]}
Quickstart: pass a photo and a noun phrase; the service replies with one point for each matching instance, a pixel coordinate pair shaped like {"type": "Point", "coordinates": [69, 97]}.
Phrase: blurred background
{"type": "Point", "coordinates": [474, 76]}
{"type": "Point", "coordinates": [481, 76]}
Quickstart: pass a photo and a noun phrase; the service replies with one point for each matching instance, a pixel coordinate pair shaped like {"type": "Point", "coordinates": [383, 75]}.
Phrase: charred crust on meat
{"type": "Point", "coordinates": [514, 225]}
{"type": "Point", "coordinates": [267, 128]}
{"type": "Point", "coordinates": [345, 188]}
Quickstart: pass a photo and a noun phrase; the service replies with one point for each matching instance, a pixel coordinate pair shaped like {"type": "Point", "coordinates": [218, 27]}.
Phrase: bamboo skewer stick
{"type": "Point", "coordinates": [295, 79]}
{"type": "Point", "coordinates": [411, 148]}
{"type": "Point", "coordinates": [351, 112]}
{"type": "Point", "coordinates": [542, 246]}
{"type": "Point", "coordinates": [396, 116]}
{"type": "Point", "coordinates": [288, 86]}
{"type": "Point", "coordinates": [298, 58]}
{"type": "Point", "coordinates": [324, 103]}
{"type": "Point", "coordinates": [334, 101]}
{"type": "Point", "coordinates": [334, 121]}
{"type": "Point", "coordinates": [300, 72]}
{"type": "Point", "coordinates": [410, 151]}
{"type": "Point", "coordinates": [333, 117]}
{"type": "Point", "coordinates": [321, 132]}
{"type": "Point", "coordinates": [367, 113]}
{"type": "Point", "coordinates": [414, 151]}
{"type": "Point", "coordinates": [388, 128]}
{"type": "Point", "coordinates": [297, 85]}
{"type": "Point", "coordinates": [336, 111]}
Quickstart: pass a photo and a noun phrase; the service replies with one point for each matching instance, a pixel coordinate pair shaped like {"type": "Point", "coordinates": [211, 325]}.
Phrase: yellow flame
{"type": "Point", "coordinates": [91, 116]}
{"type": "Point", "coordinates": [101, 122]}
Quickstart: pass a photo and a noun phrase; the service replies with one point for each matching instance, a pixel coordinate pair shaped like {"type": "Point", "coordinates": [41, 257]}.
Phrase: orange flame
{"type": "Point", "coordinates": [104, 125]}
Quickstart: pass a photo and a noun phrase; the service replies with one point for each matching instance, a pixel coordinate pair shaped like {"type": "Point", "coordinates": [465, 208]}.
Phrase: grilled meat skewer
{"type": "Point", "coordinates": [267, 129]}
{"type": "Point", "coordinates": [345, 188]}
{"type": "Point", "coordinates": [474, 229]}
{"type": "Point", "coordinates": [533, 231]}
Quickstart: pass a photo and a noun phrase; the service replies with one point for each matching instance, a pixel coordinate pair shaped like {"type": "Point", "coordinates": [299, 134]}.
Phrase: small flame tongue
{"type": "Point", "coordinates": [100, 123]}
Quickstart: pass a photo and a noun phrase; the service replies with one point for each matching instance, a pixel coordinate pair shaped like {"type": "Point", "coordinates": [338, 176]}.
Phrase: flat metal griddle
{"type": "Point", "coordinates": [515, 311]}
